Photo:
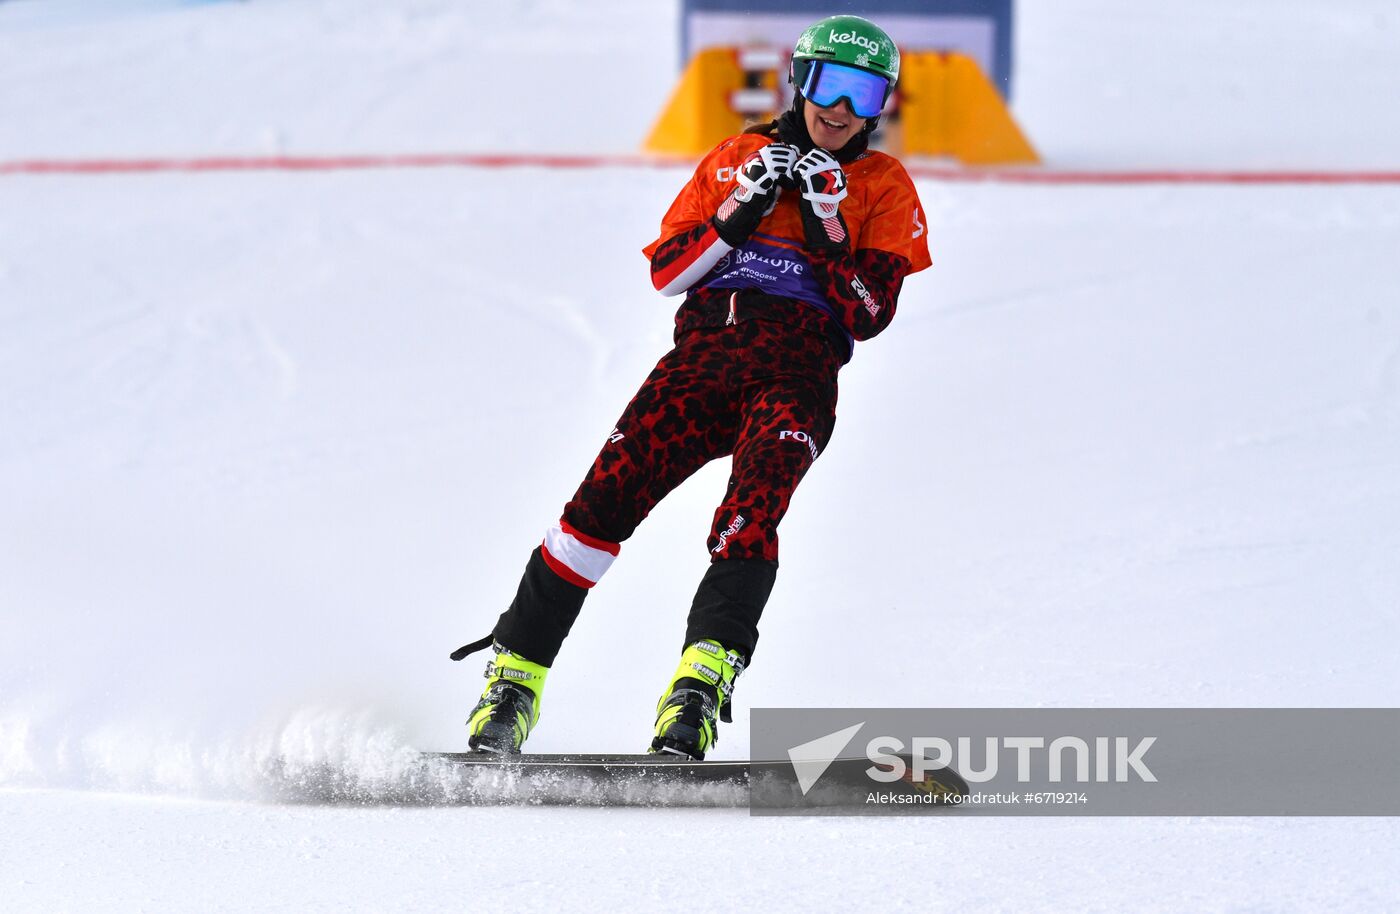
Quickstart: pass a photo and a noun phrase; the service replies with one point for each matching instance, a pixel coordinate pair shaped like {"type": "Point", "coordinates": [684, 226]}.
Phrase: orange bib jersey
{"type": "Point", "coordinates": [884, 220]}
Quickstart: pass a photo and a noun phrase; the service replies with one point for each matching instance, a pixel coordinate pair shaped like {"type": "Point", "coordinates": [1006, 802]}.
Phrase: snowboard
{"type": "Point", "coordinates": [653, 779]}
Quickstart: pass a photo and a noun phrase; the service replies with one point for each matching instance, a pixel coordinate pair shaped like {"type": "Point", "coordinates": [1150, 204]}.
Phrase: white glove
{"type": "Point", "coordinates": [823, 186]}
{"type": "Point", "coordinates": [759, 179]}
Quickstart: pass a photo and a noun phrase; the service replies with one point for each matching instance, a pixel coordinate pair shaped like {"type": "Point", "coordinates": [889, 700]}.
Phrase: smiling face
{"type": "Point", "coordinates": [832, 128]}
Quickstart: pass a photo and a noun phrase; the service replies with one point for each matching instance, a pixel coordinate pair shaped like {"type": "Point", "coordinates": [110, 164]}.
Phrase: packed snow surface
{"type": "Point", "coordinates": [272, 444]}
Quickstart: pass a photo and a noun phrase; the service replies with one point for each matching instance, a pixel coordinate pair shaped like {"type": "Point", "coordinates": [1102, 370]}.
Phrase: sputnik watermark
{"type": "Point", "coordinates": [995, 798]}
{"type": "Point", "coordinates": [1034, 755]}
{"type": "Point", "coordinates": [1080, 761]}
{"type": "Point", "coordinates": [1117, 759]}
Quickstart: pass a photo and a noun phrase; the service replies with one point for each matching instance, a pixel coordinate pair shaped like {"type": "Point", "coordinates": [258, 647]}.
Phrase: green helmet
{"type": "Point", "coordinates": [850, 40]}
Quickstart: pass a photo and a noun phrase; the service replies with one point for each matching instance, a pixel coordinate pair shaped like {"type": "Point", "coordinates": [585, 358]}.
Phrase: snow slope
{"type": "Point", "coordinates": [272, 444]}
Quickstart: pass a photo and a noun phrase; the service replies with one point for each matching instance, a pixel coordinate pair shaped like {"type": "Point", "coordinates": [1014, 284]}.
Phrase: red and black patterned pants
{"type": "Point", "coordinates": [759, 390]}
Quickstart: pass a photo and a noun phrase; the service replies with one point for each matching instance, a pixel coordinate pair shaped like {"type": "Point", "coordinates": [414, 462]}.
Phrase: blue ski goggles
{"type": "Point", "coordinates": [824, 83]}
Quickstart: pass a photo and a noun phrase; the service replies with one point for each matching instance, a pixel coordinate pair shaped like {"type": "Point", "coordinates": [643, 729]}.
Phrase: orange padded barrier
{"type": "Point", "coordinates": [948, 107]}
{"type": "Point", "coordinates": [698, 115]}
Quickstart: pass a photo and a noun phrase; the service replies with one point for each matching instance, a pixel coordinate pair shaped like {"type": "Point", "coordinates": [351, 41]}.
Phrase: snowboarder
{"type": "Point", "coordinates": [790, 242]}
